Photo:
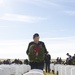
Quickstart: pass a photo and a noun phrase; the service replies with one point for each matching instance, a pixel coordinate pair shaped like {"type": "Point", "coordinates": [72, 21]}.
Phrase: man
{"type": "Point", "coordinates": [37, 63]}
{"type": "Point", "coordinates": [47, 62]}
{"type": "Point", "coordinates": [57, 59]}
{"type": "Point", "coordinates": [73, 60]}
{"type": "Point", "coordinates": [69, 59]}
{"type": "Point", "coordinates": [26, 61]}
{"type": "Point", "coordinates": [74, 56]}
{"type": "Point", "coordinates": [60, 61]}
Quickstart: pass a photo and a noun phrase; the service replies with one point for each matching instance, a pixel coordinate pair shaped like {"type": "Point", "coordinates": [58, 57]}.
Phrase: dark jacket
{"type": "Point", "coordinates": [47, 58]}
{"type": "Point", "coordinates": [39, 43]}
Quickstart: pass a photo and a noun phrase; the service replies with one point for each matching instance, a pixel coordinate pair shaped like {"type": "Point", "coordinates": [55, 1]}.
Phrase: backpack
{"type": "Point", "coordinates": [36, 53]}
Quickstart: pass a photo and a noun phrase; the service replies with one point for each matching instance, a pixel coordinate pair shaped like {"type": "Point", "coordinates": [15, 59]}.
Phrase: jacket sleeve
{"type": "Point", "coordinates": [45, 48]}
{"type": "Point", "coordinates": [28, 49]}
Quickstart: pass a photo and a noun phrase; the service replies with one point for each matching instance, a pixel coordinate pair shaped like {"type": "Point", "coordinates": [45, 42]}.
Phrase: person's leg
{"type": "Point", "coordinates": [32, 64]}
{"type": "Point", "coordinates": [53, 71]}
{"type": "Point", "coordinates": [36, 65]}
{"type": "Point", "coordinates": [40, 65]}
{"type": "Point", "coordinates": [48, 67]}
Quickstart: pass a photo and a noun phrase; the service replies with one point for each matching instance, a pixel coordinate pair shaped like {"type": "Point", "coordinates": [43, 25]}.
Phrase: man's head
{"type": "Point", "coordinates": [36, 37]}
{"type": "Point", "coordinates": [67, 54]}
{"type": "Point", "coordinates": [74, 54]}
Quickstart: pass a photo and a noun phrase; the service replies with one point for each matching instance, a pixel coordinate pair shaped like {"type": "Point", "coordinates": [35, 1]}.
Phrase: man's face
{"type": "Point", "coordinates": [36, 39]}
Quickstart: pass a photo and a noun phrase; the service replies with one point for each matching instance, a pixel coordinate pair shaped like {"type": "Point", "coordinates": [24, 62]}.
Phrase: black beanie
{"type": "Point", "coordinates": [35, 35]}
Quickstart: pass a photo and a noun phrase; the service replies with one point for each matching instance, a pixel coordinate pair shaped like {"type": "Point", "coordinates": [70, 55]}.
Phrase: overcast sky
{"type": "Point", "coordinates": [54, 20]}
